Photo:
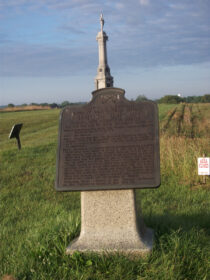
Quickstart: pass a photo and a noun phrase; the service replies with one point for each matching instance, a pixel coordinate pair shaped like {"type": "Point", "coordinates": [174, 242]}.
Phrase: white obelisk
{"type": "Point", "coordinates": [103, 78]}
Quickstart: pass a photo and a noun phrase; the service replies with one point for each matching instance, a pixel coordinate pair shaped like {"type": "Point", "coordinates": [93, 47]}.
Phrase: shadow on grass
{"type": "Point", "coordinates": [165, 223]}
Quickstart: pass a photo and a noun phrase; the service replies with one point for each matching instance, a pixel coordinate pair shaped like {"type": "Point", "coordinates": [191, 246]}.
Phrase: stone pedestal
{"type": "Point", "coordinates": [111, 223]}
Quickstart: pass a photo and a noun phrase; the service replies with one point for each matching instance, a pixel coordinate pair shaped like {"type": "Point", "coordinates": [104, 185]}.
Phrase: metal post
{"type": "Point", "coordinates": [204, 176]}
{"type": "Point", "coordinates": [18, 142]}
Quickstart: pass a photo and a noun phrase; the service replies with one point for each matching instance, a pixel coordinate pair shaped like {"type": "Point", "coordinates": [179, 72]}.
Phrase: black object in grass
{"type": "Point", "coordinates": [15, 133]}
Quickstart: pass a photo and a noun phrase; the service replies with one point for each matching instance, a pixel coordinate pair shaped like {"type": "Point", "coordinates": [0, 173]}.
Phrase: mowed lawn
{"type": "Point", "coordinates": [37, 223]}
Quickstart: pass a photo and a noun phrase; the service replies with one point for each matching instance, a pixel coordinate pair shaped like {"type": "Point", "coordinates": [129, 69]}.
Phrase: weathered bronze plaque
{"type": "Point", "coordinates": [110, 143]}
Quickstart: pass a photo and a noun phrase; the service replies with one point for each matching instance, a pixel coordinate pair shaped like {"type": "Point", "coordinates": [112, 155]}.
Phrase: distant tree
{"type": "Point", "coordinates": [141, 97]}
{"type": "Point", "coordinates": [197, 99]}
{"type": "Point", "coordinates": [23, 105]}
{"type": "Point", "coordinates": [34, 104]}
{"type": "Point", "coordinates": [44, 104]}
{"type": "Point", "coordinates": [64, 104]}
{"type": "Point", "coordinates": [189, 99]}
{"type": "Point", "coordinates": [205, 98]}
{"type": "Point", "coordinates": [10, 105]}
{"type": "Point", "coordinates": [53, 105]}
{"type": "Point", "coordinates": [193, 99]}
{"type": "Point", "coordinates": [171, 99]}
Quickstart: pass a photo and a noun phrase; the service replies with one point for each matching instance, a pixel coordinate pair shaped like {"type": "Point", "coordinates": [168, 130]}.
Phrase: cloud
{"type": "Point", "coordinates": [31, 60]}
{"type": "Point", "coordinates": [163, 33]}
{"type": "Point", "coordinates": [120, 6]}
{"type": "Point", "coordinates": [144, 2]}
{"type": "Point", "coordinates": [177, 6]}
{"type": "Point", "coordinates": [4, 38]}
{"type": "Point", "coordinates": [71, 29]}
{"type": "Point", "coordinates": [48, 4]}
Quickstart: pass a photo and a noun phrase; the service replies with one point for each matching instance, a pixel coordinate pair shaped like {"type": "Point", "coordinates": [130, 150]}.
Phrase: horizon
{"type": "Point", "coordinates": [83, 102]}
{"type": "Point", "coordinates": [50, 53]}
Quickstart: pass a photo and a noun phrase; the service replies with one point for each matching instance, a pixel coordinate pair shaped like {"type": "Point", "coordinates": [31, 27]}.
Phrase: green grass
{"type": "Point", "coordinates": [37, 223]}
{"type": "Point", "coordinates": [39, 127]}
{"type": "Point", "coordinates": [164, 109]}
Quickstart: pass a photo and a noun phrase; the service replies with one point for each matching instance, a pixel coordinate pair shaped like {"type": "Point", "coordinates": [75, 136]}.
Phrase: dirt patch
{"type": "Point", "coordinates": [180, 120]}
{"type": "Point", "coordinates": [170, 116]}
{"type": "Point", "coordinates": [25, 108]}
{"type": "Point", "coordinates": [201, 186]}
{"type": "Point", "coordinates": [187, 115]}
{"type": "Point", "coordinates": [8, 277]}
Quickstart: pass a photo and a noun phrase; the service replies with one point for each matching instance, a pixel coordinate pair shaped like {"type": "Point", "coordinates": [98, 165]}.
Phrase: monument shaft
{"type": "Point", "coordinates": [103, 78]}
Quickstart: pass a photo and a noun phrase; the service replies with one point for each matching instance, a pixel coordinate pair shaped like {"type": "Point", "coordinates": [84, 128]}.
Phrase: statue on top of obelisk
{"type": "Point", "coordinates": [102, 22]}
{"type": "Point", "coordinates": [103, 78]}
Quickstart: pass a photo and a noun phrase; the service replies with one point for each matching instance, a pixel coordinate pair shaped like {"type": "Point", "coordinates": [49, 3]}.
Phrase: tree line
{"type": "Point", "coordinates": [169, 99]}
{"type": "Point", "coordinates": [51, 105]}
{"type": "Point", "coordinates": [175, 99]}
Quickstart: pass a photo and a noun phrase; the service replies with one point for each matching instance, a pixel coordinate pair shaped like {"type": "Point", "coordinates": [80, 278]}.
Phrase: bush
{"type": "Point", "coordinates": [205, 98]}
{"type": "Point", "coordinates": [171, 99]}
{"type": "Point", "coordinates": [193, 99]}
{"type": "Point", "coordinates": [54, 105]}
{"type": "Point", "coordinates": [64, 104]}
{"type": "Point", "coordinates": [141, 98]}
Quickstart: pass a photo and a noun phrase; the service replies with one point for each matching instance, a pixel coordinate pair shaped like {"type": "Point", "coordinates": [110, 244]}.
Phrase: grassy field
{"type": "Point", "coordinates": [37, 223]}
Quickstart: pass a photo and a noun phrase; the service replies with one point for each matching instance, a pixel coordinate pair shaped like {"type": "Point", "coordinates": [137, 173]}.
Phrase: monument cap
{"type": "Point", "coordinates": [109, 90]}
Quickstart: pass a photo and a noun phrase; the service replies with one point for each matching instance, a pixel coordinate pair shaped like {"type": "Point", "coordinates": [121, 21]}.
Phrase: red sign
{"type": "Point", "coordinates": [203, 166]}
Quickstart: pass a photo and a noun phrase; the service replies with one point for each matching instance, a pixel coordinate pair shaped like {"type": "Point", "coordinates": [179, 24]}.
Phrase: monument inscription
{"type": "Point", "coordinates": [110, 143]}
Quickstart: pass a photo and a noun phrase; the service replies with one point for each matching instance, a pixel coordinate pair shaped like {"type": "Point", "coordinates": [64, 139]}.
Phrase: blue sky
{"type": "Point", "coordinates": [48, 48]}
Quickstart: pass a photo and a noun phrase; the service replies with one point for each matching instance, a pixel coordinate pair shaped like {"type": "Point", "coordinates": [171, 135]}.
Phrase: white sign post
{"type": "Point", "coordinates": [204, 166]}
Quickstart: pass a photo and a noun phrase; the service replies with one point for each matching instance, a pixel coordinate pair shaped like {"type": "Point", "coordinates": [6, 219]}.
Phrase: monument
{"type": "Point", "coordinates": [107, 149]}
{"type": "Point", "coordinates": [103, 78]}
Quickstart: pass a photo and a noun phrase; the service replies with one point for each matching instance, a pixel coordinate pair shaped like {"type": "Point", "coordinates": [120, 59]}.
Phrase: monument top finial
{"type": "Point", "coordinates": [103, 78]}
{"type": "Point", "coordinates": [102, 22]}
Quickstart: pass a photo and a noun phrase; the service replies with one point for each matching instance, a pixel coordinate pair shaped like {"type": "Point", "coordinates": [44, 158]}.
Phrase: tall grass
{"type": "Point", "coordinates": [179, 157]}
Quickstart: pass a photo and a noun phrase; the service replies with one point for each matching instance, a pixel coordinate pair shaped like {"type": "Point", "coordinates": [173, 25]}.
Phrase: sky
{"type": "Point", "coordinates": [49, 52]}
